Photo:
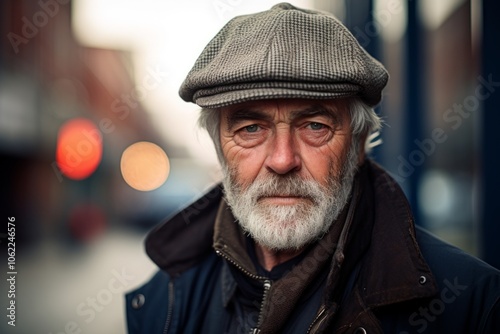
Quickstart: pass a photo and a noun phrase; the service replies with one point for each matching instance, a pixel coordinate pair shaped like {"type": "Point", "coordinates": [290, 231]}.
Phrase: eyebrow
{"type": "Point", "coordinates": [245, 114]}
{"type": "Point", "coordinates": [316, 110]}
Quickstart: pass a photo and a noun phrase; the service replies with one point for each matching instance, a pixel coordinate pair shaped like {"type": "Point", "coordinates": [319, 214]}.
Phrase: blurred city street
{"type": "Point", "coordinates": [61, 287]}
{"type": "Point", "coordinates": [97, 148]}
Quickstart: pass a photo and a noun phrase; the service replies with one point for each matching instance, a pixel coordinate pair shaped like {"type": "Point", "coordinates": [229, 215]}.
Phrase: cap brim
{"type": "Point", "coordinates": [223, 99]}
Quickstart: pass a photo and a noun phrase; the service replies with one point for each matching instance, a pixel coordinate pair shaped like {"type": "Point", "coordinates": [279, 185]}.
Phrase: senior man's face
{"type": "Point", "coordinates": [289, 166]}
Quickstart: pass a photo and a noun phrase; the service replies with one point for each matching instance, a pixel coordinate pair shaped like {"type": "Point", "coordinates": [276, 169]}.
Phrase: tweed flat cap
{"type": "Point", "coordinates": [285, 52]}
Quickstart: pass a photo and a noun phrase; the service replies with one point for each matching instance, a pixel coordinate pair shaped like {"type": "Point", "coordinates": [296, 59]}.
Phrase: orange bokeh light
{"type": "Point", "coordinates": [144, 166]}
{"type": "Point", "coordinates": [79, 148]}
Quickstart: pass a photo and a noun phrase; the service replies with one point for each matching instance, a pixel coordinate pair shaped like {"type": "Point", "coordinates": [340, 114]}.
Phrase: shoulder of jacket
{"type": "Point", "coordinates": [186, 238]}
{"type": "Point", "coordinates": [446, 260]}
{"type": "Point", "coordinates": [147, 306]}
{"type": "Point", "coordinates": [147, 303]}
{"type": "Point", "coordinates": [467, 285]}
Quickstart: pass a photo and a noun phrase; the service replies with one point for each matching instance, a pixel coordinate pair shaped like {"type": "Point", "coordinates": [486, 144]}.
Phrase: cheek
{"type": "Point", "coordinates": [318, 165]}
{"type": "Point", "coordinates": [247, 163]}
{"type": "Point", "coordinates": [326, 161]}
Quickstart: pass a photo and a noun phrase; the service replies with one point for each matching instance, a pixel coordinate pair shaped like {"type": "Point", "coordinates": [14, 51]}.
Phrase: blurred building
{"type": "Point", "coordinates": [47, 79]}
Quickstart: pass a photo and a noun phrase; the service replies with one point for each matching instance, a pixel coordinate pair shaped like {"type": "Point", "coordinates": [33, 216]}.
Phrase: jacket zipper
{"type": "Point", "coordinates": [267, 287]}
{"type": "Point", "coordinates": [228, 258]}
{"type": "Point", "coordinates": [317, 321]}
{"type": "Point", "coordinates": [171, 296]}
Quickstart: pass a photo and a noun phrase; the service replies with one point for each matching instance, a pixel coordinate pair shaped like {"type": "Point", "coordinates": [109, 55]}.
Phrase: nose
{"type": "Point", "coordinates": [283, 155]}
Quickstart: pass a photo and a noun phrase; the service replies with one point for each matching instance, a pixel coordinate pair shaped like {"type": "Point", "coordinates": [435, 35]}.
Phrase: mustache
{"type": "Point", "coordinates": [273, 185]}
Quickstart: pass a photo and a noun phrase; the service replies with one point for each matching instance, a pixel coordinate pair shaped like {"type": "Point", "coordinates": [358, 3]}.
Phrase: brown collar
{"type": "Point", "coordinates": [394, 265]}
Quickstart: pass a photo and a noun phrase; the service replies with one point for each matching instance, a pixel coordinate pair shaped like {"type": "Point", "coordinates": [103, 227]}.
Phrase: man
{"type": "Point", "coordinates": [306, 234]}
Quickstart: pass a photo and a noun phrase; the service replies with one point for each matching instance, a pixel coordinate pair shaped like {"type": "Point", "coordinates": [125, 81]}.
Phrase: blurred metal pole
{"type": "Point", "coordinates": [361, 22]}
{"type": "Point", "coordinates": [490, 135]}
{"type": "Point", "coordinates": [359, 18]}
{"type": "Point", "coordinates": [414, 113]}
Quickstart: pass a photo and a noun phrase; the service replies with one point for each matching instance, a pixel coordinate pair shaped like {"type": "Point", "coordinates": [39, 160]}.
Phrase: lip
{"type": "Point", "coordinates": [283, 200]}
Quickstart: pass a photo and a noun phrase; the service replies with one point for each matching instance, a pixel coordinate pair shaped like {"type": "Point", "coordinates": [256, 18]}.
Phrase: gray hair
{"type": "Point", "coordinates": [364, 123]}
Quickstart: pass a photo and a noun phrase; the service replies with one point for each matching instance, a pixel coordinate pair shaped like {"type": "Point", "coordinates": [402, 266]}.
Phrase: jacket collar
{"type": "Point", "coordinates": [185, 239]}
{"type": "Point", "coordinates": [394, 269]}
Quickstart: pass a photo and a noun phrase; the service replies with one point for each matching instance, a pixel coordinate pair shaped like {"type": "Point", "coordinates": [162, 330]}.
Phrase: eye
{"type": "Point", "coordinates": [251, 128]}
{"type": "Point", "coordinates": [250, 135]}
{"type": "Point", "coordinates": [316, 126]}
{"type": "Point", "coordinates": [316, 133]}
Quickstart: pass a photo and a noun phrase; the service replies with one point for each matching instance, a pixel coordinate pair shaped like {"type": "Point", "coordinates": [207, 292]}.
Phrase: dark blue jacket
{"type": "Point", "coordinates": [395, 278]}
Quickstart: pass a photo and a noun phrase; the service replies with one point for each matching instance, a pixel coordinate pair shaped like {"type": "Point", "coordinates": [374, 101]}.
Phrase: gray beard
{"type": "Point", "coordinates": [287, 227]}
